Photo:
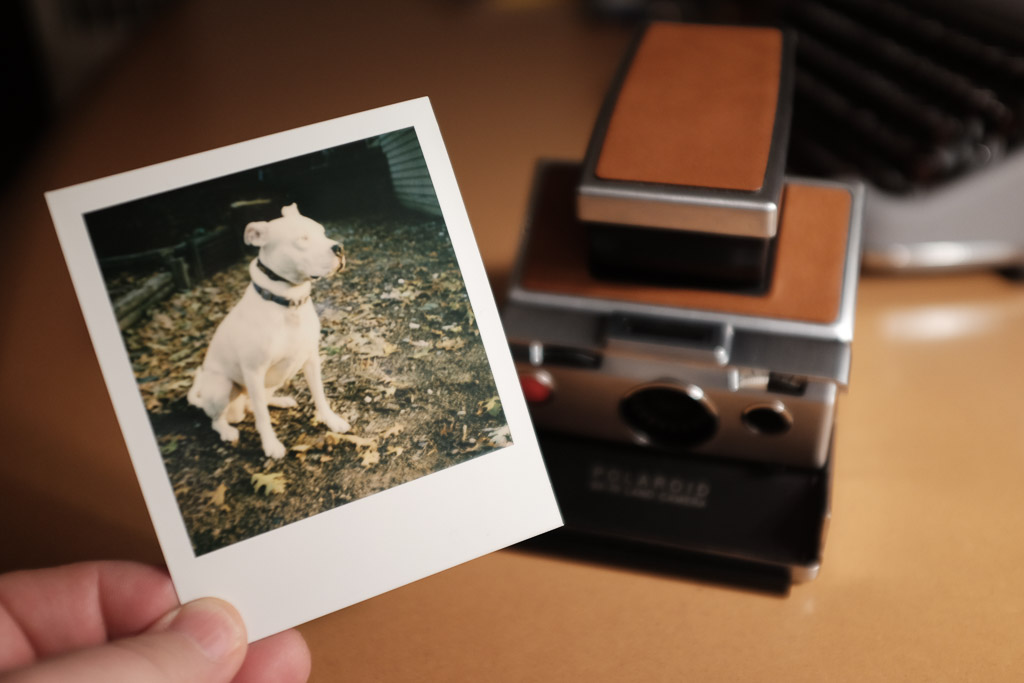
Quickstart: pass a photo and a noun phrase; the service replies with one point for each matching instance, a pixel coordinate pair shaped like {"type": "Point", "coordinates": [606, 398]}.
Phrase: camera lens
{"type": "Point", "coordinates": [770, 419]}
{"type": "Point", "coordinates": [671, 416]}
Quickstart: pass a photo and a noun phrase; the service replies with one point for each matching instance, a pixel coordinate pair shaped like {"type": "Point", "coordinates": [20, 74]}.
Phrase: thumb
{"type": "Point", "coordinates": [200, 642]}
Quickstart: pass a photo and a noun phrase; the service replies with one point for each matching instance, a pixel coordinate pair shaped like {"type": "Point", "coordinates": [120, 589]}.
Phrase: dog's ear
{"type": "Point", "coordinates": [290, 210]}
{"type": "Point", "coordinates": [256, 233]}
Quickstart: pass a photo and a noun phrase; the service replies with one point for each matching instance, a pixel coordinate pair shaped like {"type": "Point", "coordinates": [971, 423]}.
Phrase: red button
{"type": "Point", "coordinates": [535, 389]}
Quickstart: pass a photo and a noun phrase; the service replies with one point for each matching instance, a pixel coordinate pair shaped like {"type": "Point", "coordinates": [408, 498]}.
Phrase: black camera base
{"type": "Point", "coordinates": [755, 525]}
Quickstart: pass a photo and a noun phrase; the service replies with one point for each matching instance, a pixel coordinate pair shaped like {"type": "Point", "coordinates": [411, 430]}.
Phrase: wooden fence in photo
{"type": "Point", "coordinates": [174, 268]}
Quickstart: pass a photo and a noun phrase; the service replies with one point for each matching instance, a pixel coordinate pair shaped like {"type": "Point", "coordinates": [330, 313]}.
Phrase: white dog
{"type": "Point", "coordinates": [271, 333]}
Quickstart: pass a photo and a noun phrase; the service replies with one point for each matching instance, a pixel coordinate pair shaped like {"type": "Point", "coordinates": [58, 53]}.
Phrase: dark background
{"type": "Point", "coordinates": [348, 180]}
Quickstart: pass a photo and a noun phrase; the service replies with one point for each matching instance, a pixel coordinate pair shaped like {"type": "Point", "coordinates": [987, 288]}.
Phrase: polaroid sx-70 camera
{"type": "Point", "coordinates": [676, 291]}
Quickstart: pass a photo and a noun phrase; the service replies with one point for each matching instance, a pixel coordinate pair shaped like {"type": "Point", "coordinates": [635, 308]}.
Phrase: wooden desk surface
{"type": "Point", "coordinates": [923, 574]}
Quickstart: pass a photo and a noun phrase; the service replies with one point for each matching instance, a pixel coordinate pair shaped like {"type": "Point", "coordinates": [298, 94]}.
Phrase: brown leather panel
{"type": "Point", "coordinates": [806, 285]}
{"type": "Point", "coordinates": [696, 108]}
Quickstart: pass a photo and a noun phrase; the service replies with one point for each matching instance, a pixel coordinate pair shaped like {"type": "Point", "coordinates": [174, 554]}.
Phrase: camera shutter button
{"type": "Point", "coordinates": [538, 386]}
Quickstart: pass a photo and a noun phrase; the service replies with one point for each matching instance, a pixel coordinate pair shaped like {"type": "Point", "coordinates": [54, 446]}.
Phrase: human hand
{"type": "Point", "coordinates": [120, 621]}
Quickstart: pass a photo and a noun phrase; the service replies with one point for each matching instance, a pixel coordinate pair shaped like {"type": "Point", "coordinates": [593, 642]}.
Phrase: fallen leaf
{"type": "Point", "coordinates": [491, 406]}
{"type": "Point", "coordinates": [170, 446]}
{"type": "Point", "coordinates": [448, 344]}
{"type": "Point", "coordinates": [164, 321]}
{"type": "Point", "coordinates": [500, 436]}
{"type": "Point", "coordinates": [216, 496]}
{"type": "Point", "coordinates": [360, 441]}
{"type": "Point", "coordinates": [184, 353]}
{"type": "Point", "coordinates": [367, 448]}
{"type": "Point", "coordinates": [371, 344]}
{"type": "Point", "coordinates": [393, 430]}
{"type": "Point", "coordinates": [270, 483]}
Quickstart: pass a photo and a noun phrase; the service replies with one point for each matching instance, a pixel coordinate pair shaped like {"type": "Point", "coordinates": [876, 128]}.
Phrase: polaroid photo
{"type": "Point", "coordinates": [307, 364]}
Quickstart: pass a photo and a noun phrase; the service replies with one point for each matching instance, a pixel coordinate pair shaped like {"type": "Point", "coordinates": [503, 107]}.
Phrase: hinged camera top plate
{"type": "Point", "coordinates": [693, 134]}
{"type": "Point", "coordinates": [816, 252]}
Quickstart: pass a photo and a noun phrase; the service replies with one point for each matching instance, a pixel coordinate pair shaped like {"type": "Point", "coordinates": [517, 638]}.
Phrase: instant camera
{"type": "Point", "coordinates": [674, 291]}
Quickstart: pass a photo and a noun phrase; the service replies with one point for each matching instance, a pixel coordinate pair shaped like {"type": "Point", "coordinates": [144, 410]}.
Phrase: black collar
{"type": "Point", "coordinates": [283, 301]}
{"type": "Point", "coordinates": [271, 274]}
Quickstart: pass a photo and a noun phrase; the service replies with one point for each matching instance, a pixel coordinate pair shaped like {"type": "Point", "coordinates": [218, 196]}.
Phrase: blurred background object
{"type": "Point", "coordinates": [50, 50]}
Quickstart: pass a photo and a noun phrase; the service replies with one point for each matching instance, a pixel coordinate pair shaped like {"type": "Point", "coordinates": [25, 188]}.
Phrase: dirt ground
{"type": "Point", "coordinates": [402, 362]}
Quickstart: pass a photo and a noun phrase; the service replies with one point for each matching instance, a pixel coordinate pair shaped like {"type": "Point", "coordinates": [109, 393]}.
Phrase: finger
{"type": "Point", "coordinates": [48, 611]}
{"type": "Point", "coordinates": [202, 642]}
{"type": "Point", "coordinates": [281, 658]}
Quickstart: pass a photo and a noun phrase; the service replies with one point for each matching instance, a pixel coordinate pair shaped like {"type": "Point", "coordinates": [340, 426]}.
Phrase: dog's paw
{"type": "Point", "coordinates": [274, 449]}
{"type": "Point", "coordinates": [283, 402]}
{"type": "Point", "coordinates": [335, 423]}
{"type": "Point", "coordinates": [228, 433]}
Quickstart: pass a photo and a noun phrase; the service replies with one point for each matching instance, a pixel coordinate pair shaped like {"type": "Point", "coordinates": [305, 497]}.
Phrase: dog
{"type": "Point", "coordinates": [271, 333]}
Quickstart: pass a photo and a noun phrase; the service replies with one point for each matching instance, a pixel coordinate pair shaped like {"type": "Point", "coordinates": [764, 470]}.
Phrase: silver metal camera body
{"type": "Point", "coordinates": [754, 377]}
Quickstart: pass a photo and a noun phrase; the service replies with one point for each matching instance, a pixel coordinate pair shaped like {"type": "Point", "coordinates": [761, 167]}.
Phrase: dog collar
{"type": "Point", "coordinates": [271, 274]}
{"type": "Point", "coordinates": [283, 301]}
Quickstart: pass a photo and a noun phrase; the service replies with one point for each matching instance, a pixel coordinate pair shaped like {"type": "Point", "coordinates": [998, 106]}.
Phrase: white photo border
{"type": "Point", "coordinates": [314, 566]}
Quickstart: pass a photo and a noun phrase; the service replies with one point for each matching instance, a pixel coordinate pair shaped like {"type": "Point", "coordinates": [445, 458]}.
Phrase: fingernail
{"type": "Point", "coordinates": [213, 625]}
